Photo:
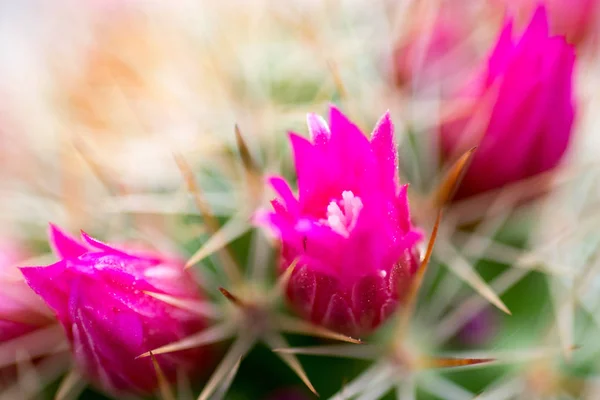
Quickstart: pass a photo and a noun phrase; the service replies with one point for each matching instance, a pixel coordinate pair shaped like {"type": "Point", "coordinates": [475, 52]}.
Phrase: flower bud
{"type": "Point", "coordinates": [435, 51]}
{"type": "Point", "coordinates": [349, 229]}
{"type": "Point", "coordinates": [577, 20]}
{"type": "Point", "coordinates": [103, 298]}
{"type": "Point", "coordinates": [519, 112]}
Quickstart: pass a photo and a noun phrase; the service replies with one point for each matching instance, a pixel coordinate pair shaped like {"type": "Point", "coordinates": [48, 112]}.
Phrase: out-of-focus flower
{"type": "Point", "coordinates": [21, 310]}
{"type": "Point", "coordinates": [576, 19]}
{"type": "Point", "coordinates": [480, 329]}
{"type": "Point", "coordinates": [349, 229]}
{"type": "Point", "coordinates": [524, 98]}
{"type": "Point", "coordinates": [434, 52]}
{"type": "Point", "coordinates": [104, 299]}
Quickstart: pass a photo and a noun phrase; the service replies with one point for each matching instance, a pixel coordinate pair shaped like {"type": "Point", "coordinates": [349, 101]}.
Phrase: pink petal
{"type": "Point", "coordinates": [411, 239]}
{"type": "Point", "coordinates": [500, 56]}
{"type": "Point", "coordinates": [51, 283]}
{"type": "Point", "coordinates": [562, 103]}
{"type": "Point", "coordinates": [339, 316]}
{"type": "Point", "coordinates": [325, 286]}
{"type": "Point", "coordinates": [400, 276]}
{"type": "Point", "coordinates": [304, 159]}
{"type": "Point", "coordinates": [323, 244]}
{"type": "Point", "coordinates": [116, 316]}
{"type": "Point", "coordinates": [384, 149]}
{"type": "Point", "coordinates": [340, 125]}
{"type": "Point", "coordinates": [350, 159]}
{"type": "Point", "coordinates": [102, 246]}
{"type": "Point", "coordinates": [63, 245]}
{"type": "Point", "coordinates": [262, 217]}
{"type": "Point", "coordinates": [369, 294]}
{"type": "Point", "coordinates": [302, 290]}
{"type": "Point", "coordinates": [318, 129]}
{"type": "Point", "coordinates": [403, 208]}
{"type": "Point", "coordinates": [106, 340]}
{"type": "Point", "coordinates": [284, 230]}
{"type": "Point", "coordinates": [285, 193]}
{"type": "Point", "coordinates": [347, 140]}
{"type": "Point", "coordinates": [538, 27]}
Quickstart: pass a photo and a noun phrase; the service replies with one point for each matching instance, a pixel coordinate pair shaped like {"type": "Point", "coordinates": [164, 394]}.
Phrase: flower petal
{"type": "Point", "coordinates": [339, 316]}
{"type": "Point", "coordinates": [64, 245]}
{"type": "Point", "coordinates": [318, 129]}
{"type": "Point", "coordinates": [304, 158]}
{"type": "Point", "coordinates": [285, 193]}
{"type": "Point", "coordinates": [103, 246]}
{"type": "Point", "coordinates": [384, 149]}
{"type": "Point", "coordinates": [51, 283]}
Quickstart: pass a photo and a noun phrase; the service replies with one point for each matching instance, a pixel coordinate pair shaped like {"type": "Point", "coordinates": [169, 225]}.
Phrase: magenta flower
{"type": "Point", "coordinates": [529, 81]}
{"type": "Point", "coordinates": [576, 19]}
{"type": "Point", "coordinates": [349, 228]}
{"type": "Point", "coordinates": [101, 296]}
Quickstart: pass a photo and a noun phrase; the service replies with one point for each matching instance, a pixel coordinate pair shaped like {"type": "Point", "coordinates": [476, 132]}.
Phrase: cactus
{"type": "Point", "coordinates": [233, 268]}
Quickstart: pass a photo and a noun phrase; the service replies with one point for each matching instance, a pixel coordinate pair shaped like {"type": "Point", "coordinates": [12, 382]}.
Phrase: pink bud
{"type": "Point", "coordinates": [576, 19]}
{"type": "Point", "coordinates": [349, 228]}
{"type": "Point", "coordinates": [519, 112]}
{"type": "Point", "coordinates": [435, 51]}
{"type": "Point", "coordinates": [21, 310]}
{"type": "Point", "coordinates": [101, 296]}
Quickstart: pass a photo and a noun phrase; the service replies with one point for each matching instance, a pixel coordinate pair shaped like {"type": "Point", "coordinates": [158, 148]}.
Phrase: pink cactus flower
{"type": "Point", "coordinates": [349, 228]}
{"type": "Point", "coordinates": [21, 310]}
{"type": "Point", "coordinates": [100, 294]}
{"type": "Point", "coordinates": [576, 19]}
{"type": "Point", "coordinates": [435, 52]}
{"type": "Point", "coordinates": [525, 97]}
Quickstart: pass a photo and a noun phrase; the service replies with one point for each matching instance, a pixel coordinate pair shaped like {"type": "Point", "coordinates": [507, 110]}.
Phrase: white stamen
{"type": "Point", "coordinates": [335, 222]}
{"type": "Point", "coordinates": [342, 217]}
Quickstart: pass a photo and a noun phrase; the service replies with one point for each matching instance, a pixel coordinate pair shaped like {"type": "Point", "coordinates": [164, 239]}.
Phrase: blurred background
{"type": "Point", "coordinates": [96, 97]}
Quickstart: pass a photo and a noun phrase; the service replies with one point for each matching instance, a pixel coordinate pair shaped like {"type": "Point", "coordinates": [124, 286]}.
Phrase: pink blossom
{"type": "Point", "coordinates": [100, 294]}
{"type": "Point", "coordinates": [525, 97]}
{"type": "Point", "coordinates": [349, 227]}
{"type": "Point", "coordinates": [576, 19]}
{"type": "Point", "coordinates": [436, 51]}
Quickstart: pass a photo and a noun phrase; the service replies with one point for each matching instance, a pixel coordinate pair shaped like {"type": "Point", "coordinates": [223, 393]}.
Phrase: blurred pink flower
{"type": "Point", "coordinates": [21, 310]}
{"type": "Point", "coordinates": [525, 97]}
{"type": "Point", "coordinates": [435, 52]}
{"type": "Point", "coordinates": [349, 228]}
{"type": "Point", "coordinates": [100, 295]}
{"type": "Point", "coordinates": [578, 20]}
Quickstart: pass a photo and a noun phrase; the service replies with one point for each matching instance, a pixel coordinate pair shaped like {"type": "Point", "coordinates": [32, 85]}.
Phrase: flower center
{"type": "Point", "coordinates": [343, 214]}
